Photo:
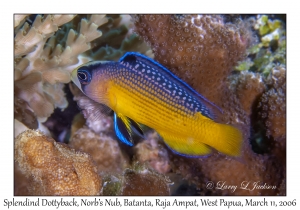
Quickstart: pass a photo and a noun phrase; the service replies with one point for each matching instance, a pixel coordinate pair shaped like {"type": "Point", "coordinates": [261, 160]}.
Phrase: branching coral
{"type": "Point", "coordinates": [41, 65]}
{"type": "Point", "coordinates": [54, 168]}
{"type": "Point", "coordinates": [118, 39]}
{"type": "Point", "coordinates": [47, 49]}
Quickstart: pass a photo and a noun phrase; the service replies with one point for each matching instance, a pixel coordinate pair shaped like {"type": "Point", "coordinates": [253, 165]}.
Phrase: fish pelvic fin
{"type": "Point", "coordinates": [125, 127]}
{"type": "Point", "coordinates": [188, 147]}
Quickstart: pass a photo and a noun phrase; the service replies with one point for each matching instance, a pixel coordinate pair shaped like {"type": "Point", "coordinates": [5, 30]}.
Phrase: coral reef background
{"type": "Point", "coordinates": [236, 61]}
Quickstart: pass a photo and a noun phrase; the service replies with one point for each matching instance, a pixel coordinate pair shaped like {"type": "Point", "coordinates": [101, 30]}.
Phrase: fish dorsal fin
{"type": "Point", "coordinates": [125, 127]}
{"type": "Point", "coordinates": [133, 58]}
{"type": "Point", "coordinates": [129, 57]}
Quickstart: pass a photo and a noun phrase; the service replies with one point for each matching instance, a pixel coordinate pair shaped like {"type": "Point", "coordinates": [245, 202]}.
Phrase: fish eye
{"type": "Point", "coordinates": [84, 76]}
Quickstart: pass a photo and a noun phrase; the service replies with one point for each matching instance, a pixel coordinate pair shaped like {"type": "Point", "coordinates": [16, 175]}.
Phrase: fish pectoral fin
{"type": "Point", "coordinates": [185, 146]}
{"type": "Point", "coordinates": [99, 111]}
{"type": "Point", "coordinates": [125, 127]}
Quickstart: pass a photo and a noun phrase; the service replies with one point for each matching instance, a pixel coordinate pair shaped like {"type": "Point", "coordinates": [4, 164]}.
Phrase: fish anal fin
{"type": "Point", "coordinates": [185, 146]}
{"type": "Point", "coordinates": [125, 127]}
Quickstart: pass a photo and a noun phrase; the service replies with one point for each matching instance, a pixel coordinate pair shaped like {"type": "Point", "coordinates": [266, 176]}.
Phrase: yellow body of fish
{"type": "Point", "coordinates": [144, 91]}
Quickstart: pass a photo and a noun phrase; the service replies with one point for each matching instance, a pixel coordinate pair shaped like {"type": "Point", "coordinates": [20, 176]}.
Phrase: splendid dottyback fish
{"type": "Point", "coordinates": [141, 91]}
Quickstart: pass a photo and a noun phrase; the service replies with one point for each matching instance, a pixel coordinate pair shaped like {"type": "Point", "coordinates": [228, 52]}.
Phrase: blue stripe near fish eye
{"type": "Point", "coordinates": [130, 57]}
{"type": "Point", "coordinates": [121, 134]}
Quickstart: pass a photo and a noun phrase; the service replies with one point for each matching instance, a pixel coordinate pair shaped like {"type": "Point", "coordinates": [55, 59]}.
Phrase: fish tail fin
{"type": "Point", "coordinates": [227, 139]}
